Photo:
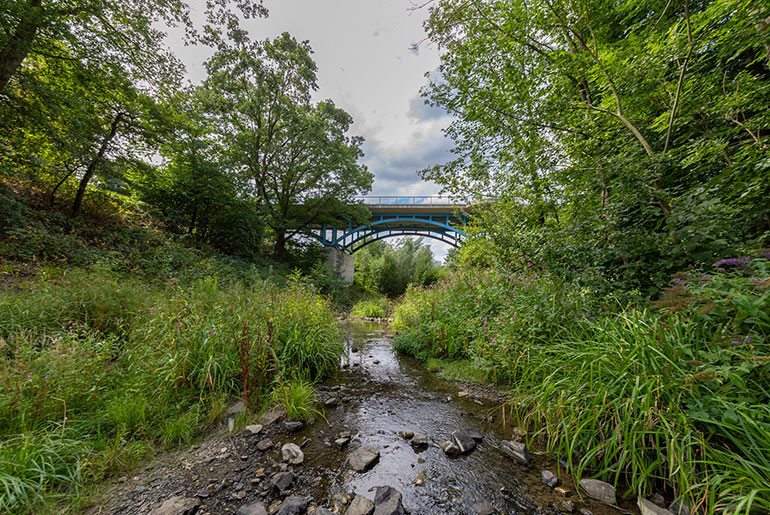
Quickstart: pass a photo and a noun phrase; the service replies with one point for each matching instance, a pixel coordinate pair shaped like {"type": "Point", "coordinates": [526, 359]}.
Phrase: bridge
{"type": "Point", "coordinates": [435, 217]}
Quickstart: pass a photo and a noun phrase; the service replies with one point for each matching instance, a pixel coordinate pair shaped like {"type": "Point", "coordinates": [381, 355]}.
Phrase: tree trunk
{"type": "Point", "coordinates": [17, 48]}
{"type": "Point", "coordinates": [94, 164]}
{"type": "Point", "coordinates": [279, 251]}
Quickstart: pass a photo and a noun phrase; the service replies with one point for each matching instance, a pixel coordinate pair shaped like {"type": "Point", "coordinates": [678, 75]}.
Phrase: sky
{"type": "Point", "coordinates": [368, 67]}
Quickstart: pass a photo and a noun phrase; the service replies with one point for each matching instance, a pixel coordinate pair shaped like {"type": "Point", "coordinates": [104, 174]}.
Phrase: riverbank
{"type": "Point", "coordinates": [666, 398]}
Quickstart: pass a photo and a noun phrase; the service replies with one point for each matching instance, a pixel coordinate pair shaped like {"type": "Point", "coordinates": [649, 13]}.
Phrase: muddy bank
{"type": "Point", "coordinates": [377, 397]}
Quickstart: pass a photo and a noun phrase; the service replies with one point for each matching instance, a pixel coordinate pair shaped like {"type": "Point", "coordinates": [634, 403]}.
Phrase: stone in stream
{"type": "Point", "coordinates": [363, 458]}
{"type": "Point", "coordinates": [177, 506]}
{"type": "Point", "coordinates": [293, 426]}
{"type": "Point", "coordinates": [650, 508]}
{"type": "Point", "coordinates": [291, 453]}
{"type": "Point", "coordinates": [420, 479]}
{"type": "Point", "coordinates": [450, 449]}
{"type": "Point", "coordinates": [549, 478]}
{"type": "Point", "coordinates": [568, 506]}
{"type": "Point", "coordinates": [517, 451]}
{"type": "Point", "coordinates": [406, 435]}
{"type": "Point", "coordinates": [254, 508]}
{"type": "Point", "coordinates": [463, 442]}
{"type": "Point", "coordinates": [475, 434]}
{"type": "Point", "coordinates": [360, 506]}
{"type": "Point", "coordinates": [419, 441]}
{"type": "Point", "coordinates": [294, 505]}
{"type": "Point", "coordinates": [282, 480]}
{"type": "Point", "coordinates": [331, 402]}
{"type": "Point", "coordinates": [599, 490]}
{"type": "Point", "coordinates": [387, 501]}
{"type": "Point", "coordinates": [483, 508]}
{"type": "Point", "coordinates": [341, 443]}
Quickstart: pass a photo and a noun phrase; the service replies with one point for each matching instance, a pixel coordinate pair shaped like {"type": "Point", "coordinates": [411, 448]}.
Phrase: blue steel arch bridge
{"type": "Point", "coordinates": [433, 217]}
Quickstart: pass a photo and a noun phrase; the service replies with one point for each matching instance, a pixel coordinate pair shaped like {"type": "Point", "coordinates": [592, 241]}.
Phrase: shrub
{"type": "Point", "coordinates": [377, 307]}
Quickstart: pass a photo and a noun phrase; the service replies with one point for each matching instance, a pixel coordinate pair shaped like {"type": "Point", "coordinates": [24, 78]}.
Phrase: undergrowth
{"type": "Point", "coordinates": [376, 307]}
{"type": "Point", "coordinates": [671, 396]}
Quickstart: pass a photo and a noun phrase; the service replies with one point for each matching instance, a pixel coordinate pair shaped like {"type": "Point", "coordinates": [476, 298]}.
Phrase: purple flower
{"type": "Point", "coordinates": [741, 262]}
{"type": "Point", "coordinates": [678, 282]}
{"type": "Point", "coordinates": [210, 331]}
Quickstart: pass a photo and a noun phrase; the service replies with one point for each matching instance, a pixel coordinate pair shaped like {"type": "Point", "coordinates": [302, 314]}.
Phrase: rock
{"type": "Point", "coordinates": [203, 494]}
{"type": "Point", "coordinates": [322, 511]}
{"type": "Point", "coordinates": [339, 500]}
{"type": "Point", "coordinates": [271, 417]}
{"type": "Point", "coordinates": [139, 489]}
{"type": "Point", "coordinates": [273, 508]}
{"type": "Point", "coordinates": [680, 506]}
{"type": "Point", "coordinates": [177, 506]}
{"type": "Point", "coordinates": [586, 511]}
{"type": "Point", "coordinates": [647, 507]}
{"type": "Point", "coordinates": [254, 508]}
{"type": "Point", "coordinates": [387, 501]}
{"type": "Point", "coordinates": [282, 480]}
{"type": "Point", "coordinates": [568, 506]}
{"type": "Point", "coordinates": [294, 505]}
{"type": "Point", "coordinates": [360, 506]}
{"type": "Point", "coordinates": [363, 458]}
{"type": "Point", "coordinates": [462, 393]}
{"type": "Point", "coordinates": [344, 434]}
{"type": "Point", "coordinates": [236, 409]}
{"type": "Point", "coordinates": [658, 499]}
{"type": "Point", "coordinates": [419, 441]}
{"type": "Point", "coordinates": [463, 442]}
{"type": "Point", "coordinates": [354, 349]}
{"type": "Point", "coordinates": [562, 491]}
{"type": "Point", "coordinates": [254, 428]}
{"type": "Point", "coordinates": [549, 478]}
{"type": "Point", "coordinates": [599, 490]}
{"type": "Point", "coordinates": [450, 449]}
{"type": "Point", "coordinates": [265, 444]}
{"type": "Point", "coordinates": [406, 435]}
{"type": "Point", "coordinates": [341, 443]}
{"type": "Point", "coordinates": [420, 479]}
{"type": "Point", "coordinates": [292, 454]}
{"type": "Point", "coordinates": [475, 434]}
{"type": "Point", "coordinates": [331, 402]}
{"type": "Point", "coordinates": [294, 426]}
{"type": "Point", "coordinates": [517, 451]}
{"type": "Point", "coordinates": [483, 508]}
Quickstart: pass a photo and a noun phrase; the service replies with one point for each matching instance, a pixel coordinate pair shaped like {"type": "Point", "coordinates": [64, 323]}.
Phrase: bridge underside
{"type": "Point", "coordinates": [387, 222]}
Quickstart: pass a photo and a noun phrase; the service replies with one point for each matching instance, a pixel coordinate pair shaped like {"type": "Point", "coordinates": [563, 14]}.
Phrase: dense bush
{"type": "Point", "coordinates": [375, 307]}
{"type": "Point", "coordinates": [670, 395]}
{"type": "Point", "coordinates": [96, 369]}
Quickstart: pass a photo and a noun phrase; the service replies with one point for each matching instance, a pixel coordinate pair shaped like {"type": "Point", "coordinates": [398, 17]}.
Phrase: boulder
{"type": "Point", "coordinates": [291, 453]}
{"type": "Point", "coordinates": [177, 506]}
{"type": "Point", "coordinates": [647, 507]}
{"type": "Point", "coordinates": [360, 506]}
{"type": "Point", "coordinates": [517, 451]}
{"type": "Point", "coordinates": [387, 501]}
{"type": "Point", "coordinates": [463, 442]}
{"type": "Point", "coordinates": [549, 478]}
{"type": "Point", "coordinates": [363, 458]}
{"type": "Point", "coordinates": [599, 490]}
{"type": "Point", "coordinates": [294, 505]}
{"type": "Point", "coordinates": [254, 508]}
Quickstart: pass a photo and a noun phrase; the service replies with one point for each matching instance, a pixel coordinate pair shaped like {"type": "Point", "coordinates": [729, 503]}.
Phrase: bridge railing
{"type": "Point", "coordinates": [415, 200]}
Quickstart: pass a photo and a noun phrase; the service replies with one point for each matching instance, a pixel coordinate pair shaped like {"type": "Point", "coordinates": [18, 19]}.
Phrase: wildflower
{"type": "Point", "coordinates": [678, 282]}
{"type": "Point", "coordinates": [210, 331]}
{"type": "Point", "coordinates": [741, 262]}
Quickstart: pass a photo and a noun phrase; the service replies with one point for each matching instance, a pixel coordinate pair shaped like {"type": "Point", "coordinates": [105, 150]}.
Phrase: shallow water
{"type": "Point", "coordinates": [390, 393]}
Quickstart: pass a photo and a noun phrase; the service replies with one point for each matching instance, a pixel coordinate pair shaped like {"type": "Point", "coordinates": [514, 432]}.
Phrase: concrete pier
{"type": "Point", "coordinates": [342, 263]}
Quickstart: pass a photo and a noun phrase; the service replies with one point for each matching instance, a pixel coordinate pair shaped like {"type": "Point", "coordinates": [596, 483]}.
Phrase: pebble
{"type": "Point", "coordinates": [265, 444]}
{"type": "Point", "coordinates": [549, 478]}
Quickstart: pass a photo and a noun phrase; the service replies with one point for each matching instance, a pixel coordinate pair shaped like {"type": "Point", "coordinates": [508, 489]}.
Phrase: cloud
{"type": "Point", "coordinates": [419, 110]}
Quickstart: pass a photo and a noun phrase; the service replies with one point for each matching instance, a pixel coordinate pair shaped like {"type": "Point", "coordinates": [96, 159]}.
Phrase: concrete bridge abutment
{"type": "Point", "coordinates": [342, 263]}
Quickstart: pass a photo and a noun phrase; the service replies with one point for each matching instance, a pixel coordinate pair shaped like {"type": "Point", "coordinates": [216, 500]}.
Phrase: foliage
{"type": "Point", "coordinates": [669, 394]}
{"type": "Point", "coordinates": [387, 269]}
{"type": "Point", "coordinates": [376, 307]}
{"type": "Point", "coordinates": [621, 140]}
{"type": "Point", "coordinates": [299, 399]}
{"type": "Point", "coordinates": [97, 369]}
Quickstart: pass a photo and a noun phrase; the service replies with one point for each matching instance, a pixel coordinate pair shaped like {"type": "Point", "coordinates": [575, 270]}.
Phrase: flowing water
{"type": "Point", "coordinates": [386, 393]}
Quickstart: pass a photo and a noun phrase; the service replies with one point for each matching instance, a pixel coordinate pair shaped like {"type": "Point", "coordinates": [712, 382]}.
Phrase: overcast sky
{"type": "Point", "coordinates": [367, 66]}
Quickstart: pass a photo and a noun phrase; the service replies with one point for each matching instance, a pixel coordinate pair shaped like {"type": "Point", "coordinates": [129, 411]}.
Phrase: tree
{"type": "Point", "coordinates": [295, 157]}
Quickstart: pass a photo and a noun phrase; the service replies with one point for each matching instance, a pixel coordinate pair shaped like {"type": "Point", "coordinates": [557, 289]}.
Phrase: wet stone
{"type": "Point", "coordinates": [483, 508]}
{"type": "Point", "coordinates": [294, 505]}
{"type": "Point", "coordinates": [562, 491]}
{"type": "Point", "coordinates": [363, 458]}
{"type": "Point", "coordinates": [517, 451]}
{"type": "Point", "coordinates": [549, 478]}
{"type": "Point", "coordinates": [293, 426]}
{"type": "Point", "coordinates": [341, 443]}
{"type": "Point", "coordinates": [331, 403]}
{"type": "Point", "coordinates": [420, 441]}
{"type": "Point", "coordinates": [406, 435]}
{"type": "Point", "coordinates": [387, 501]}
{"type": "Point", "coordinates": [568, 506]}
{"type": "Point", "coordinates": [254, 508]}
{"type": "Point", "coordinates": [450, 449]}
{"type": "Point", "coordinates": [265, 444]}
{"type": "Point", "coordinates": [420, 479]}
{"type": "Point", "coordinates": [463, 442]}
{"type": "Point", "coordinates": [360, 506]}
{"type": "Point", "coordinates": [282, 480]}
{"type": "Point", "coordinates": [273, 508]}
{"type": "Point", "coordinates": [475, 434]}
{"type": "Point", "coordinates": [599, 490]}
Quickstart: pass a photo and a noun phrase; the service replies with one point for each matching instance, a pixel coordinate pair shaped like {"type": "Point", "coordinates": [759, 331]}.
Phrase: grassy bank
{"type": "Point", "coordinates": [118, 340]}
{"type": "Point", "coordinates": [670, 397]}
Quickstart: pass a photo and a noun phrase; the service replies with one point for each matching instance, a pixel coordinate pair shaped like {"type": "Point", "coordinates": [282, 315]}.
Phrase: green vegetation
{"type": "Point", "coordinates": [298, 399]}
{"type": "Point", "coordinates": [386, 269]}
{"type": "Point", "coordinates": [377, 307]}
{"type": "Point", "coordinates": [674, 393]}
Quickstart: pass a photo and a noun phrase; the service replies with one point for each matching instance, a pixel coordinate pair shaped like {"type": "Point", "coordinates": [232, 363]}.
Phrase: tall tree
{"type": "Point", "coordinates": [295, 156]}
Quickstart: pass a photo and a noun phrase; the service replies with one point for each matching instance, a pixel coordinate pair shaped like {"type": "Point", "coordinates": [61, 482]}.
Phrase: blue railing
{"type": "Point", "coordinates": [416, 200]}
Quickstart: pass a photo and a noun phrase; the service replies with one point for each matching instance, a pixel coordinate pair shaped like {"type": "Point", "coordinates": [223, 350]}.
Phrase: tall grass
{"type": "Point", "coordinates": [673, 397]}
{"type": "Point", "coordinates": [376, 307]}
{"type": "Point", "coordinates": [96, 369]}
